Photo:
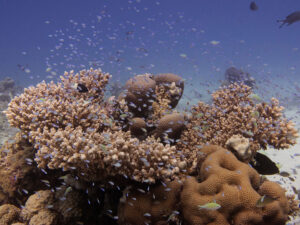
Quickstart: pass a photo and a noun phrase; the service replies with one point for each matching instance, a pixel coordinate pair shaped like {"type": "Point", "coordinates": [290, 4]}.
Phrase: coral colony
{"type": "Point", "coordinates": [82, 158]}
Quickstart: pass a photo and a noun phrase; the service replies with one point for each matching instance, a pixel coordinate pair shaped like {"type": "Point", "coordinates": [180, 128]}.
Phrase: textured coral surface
{"type": "Point", "coordinates": [81, 158]}
{"type": "Point", "coordinates": [236, 187]}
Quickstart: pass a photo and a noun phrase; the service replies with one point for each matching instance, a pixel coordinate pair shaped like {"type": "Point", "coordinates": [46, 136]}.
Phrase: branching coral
{"type": "Point", "coordinates": [234, 112]}
{"type": "Point", "coordinates": [74, 131]}
{"type": "Point", "coordinates": [98, 155]}
{"type": "Point", "coordinates": [60, 105]}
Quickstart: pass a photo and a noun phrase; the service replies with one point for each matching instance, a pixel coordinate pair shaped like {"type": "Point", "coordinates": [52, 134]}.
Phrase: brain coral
{"type": "Point", "coordinates": [236, 187]}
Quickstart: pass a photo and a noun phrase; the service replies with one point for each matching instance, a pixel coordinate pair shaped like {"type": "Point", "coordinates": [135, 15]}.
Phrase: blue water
{"type": "Point", "coordinates": [195, 39]}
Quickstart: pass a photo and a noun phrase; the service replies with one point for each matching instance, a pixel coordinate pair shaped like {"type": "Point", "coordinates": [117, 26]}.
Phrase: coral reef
{"type": "Point", "coordinates": [236, 187]}
{"type": "Point", "coordinates": [233, 112]}
{"type": "Point", "coordinates": [222, 179]}
{"type": "Point", "coordinates": [82, 158]}
{"type": "Point", "coordinates": [68, 127]}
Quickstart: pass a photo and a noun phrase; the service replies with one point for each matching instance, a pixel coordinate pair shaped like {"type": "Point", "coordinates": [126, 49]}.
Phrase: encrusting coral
{"type": "Point", "coordinates": [86, 151]}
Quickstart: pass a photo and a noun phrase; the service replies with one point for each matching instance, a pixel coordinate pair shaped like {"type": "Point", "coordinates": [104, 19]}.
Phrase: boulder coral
{"type": "Point", "coordinates": [236, 187]}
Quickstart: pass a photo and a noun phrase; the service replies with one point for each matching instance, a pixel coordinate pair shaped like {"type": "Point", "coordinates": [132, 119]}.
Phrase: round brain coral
{"type": "Point", "coordinates": [233, 185]}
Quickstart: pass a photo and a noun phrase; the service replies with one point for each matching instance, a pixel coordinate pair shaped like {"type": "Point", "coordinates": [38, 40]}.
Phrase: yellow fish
{"type": "Point", "coordinates": [264, 200]}
{"type": "Point", "coordinates": [210, 206]}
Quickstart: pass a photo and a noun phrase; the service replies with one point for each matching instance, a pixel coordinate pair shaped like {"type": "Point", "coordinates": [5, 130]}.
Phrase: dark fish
{"type": "Point", "coordinates": [284, 174]}
{"type": "Point", "coordinates": [264, 165]}
{"type": "Point", "coordinates": [82, 88]}
{"type": "Point", "coordinates": [292, 18]}
{"type": "Point", "coordinates": [253, 6]}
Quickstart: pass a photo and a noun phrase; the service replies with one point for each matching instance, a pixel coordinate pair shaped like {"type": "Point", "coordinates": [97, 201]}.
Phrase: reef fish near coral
{"type": "Point", "coordinates": [264, 165]}
{"type": "Point", "coordinates": [264, 200]}
{"type": "Point", "coordinates": [210, 206]}
{"type": "Point", "coordinates": [290, 19]}
{"type": "Point", "coordinates": [82, 88]}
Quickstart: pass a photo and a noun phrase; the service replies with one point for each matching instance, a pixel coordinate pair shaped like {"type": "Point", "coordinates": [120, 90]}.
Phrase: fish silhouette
{"type": "Point", "coordinates": [264, 165]}
{"type": "Point", "coordinates": [290, 19]}
{"type": "Point", "coordinates": [253, 6]}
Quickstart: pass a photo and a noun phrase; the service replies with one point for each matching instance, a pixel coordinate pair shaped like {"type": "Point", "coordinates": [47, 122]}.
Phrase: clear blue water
{"type": "Point", "coordinates": [195, 39]}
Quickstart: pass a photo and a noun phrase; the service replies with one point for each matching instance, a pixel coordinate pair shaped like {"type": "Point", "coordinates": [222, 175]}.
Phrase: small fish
{"type": "Point", "coordinates": [264, 200]}
{"type": "Point", "coordinates": [253, 6]}
{"type": "Point", "coordinates": [214, 42]}
{"type": "Point", "coordinates": [290, 19]}
{"type": "Point", "coordinates": [264, 165]}
{"type": "Point", "coordinates": [284, 174]}
{"type": "Point", "coordinates": [255, 97]}
{"type": "Point", "coordinates": [210, 206]}
{"type": "Point", "coordinates": [68, 190]}
{"type": "Point", "coordinates": [82, 88]}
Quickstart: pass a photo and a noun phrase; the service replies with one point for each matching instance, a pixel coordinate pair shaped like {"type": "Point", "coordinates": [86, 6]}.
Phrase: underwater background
{"type": "Point", "coordinates": [195, 39]}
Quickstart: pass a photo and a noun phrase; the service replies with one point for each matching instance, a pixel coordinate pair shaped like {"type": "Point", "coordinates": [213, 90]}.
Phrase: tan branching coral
{"type": "Point", "coordinates": [161, 105]}
{"type": "Point", "coordinates": [72, 130]}
{"type": "Point", "coordinates": [173, 85]}
{"type": "Point", "coordinates": [98, 155]}
{"type": "Point", "coordinates": [60, 105]}
{"type": "Point", "coordinates": [234, 112]}
{"type": "Point", "coordinates": [236, 187]}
